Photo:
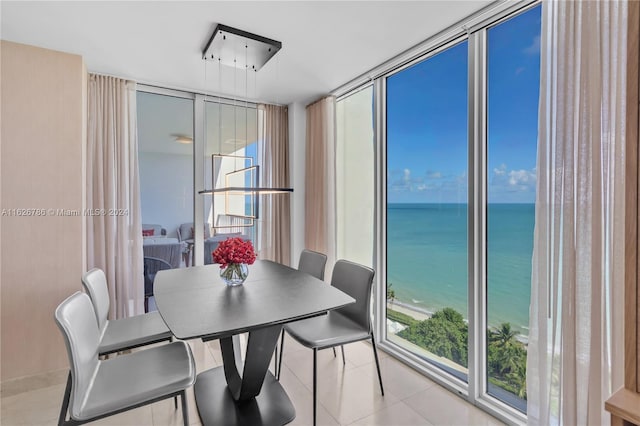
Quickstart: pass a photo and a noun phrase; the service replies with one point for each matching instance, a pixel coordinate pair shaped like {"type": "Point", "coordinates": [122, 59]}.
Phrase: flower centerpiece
{"type": "Point", "coordinates": [233, 255]}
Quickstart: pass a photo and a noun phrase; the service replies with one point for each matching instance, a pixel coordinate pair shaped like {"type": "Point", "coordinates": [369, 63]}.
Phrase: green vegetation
{"type": "Point", "coordinates": [400, 317]}
{"type": "Point", "coordinates": [507, 360]}
{"type": "Point", "coordinates": [391, 294]}
{"type": "Point", "coordinates": [445, 334]}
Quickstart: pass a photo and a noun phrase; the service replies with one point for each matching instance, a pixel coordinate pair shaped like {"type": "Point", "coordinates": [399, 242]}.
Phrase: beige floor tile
{"type": "Point", "coordinates": [301, 364]}
{"type": "Point", "coordinates": [141, 416]}
{"type": "Point", "coordinates": [397, 378]}
{"type": "Point", "coordinates": [39, 406]}
{"type": "Point", "coordinates": [302, 400]}
{"type": "Point", "coordinates": [165, 413]}
{"type": "Point", "coordinates": [351, 395]}
{"type": "Point", "coordinates": [441, 407]}
{"type": "Point", "coordinates": [360, 353]}
{"type": "Point", "coordinates": [399, 414]}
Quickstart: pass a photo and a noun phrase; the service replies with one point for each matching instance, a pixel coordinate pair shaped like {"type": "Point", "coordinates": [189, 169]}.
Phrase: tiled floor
{"type": "Point", "coordinates": [348, 394]}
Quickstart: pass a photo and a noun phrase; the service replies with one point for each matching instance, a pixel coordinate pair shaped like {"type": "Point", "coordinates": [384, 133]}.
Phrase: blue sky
{"type": "Point", "coordinates": [427, 120]}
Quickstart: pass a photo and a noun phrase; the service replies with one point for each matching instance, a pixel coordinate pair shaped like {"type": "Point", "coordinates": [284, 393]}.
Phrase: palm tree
{"type": "Point", "coordinates": [391, 295]}
{"type": "Point", "coordinates": [505, 336]}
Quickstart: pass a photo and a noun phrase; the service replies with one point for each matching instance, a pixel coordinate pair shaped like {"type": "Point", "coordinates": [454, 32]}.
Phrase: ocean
{"type": "Point", "coordinates": [427, 259]}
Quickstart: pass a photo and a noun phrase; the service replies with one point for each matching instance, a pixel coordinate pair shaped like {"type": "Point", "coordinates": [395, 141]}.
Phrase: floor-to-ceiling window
{"type": "Point", "coordinates": [165, 157]}
{"type": "Point", "coordinates": [458, 160]}
{"type": "Point", "coordinates": [230, 160]}
{"type": "Point", "coordinates": [427, 169]}
{"type": "Point", "coordinates": [513, 81]}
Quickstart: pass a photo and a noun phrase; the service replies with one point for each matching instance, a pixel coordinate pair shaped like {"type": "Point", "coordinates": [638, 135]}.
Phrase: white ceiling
{"type": "Point", "coordinates": [325, 43]}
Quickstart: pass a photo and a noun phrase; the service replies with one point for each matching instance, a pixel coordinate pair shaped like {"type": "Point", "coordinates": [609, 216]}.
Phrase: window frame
{"type": "Point", "coordinates": [474, 30]}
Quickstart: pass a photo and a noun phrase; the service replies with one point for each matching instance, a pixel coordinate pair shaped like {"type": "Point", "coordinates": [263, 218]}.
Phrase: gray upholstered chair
{"type": "Point", "coordinates": [152, 265]}
{"type": "Point", "coordinates": [100, 388]}
{"type": "Point", "coordinates": [126, 333]}
{"type": "Point", "coordinates": [313, 263]}
{"type": "Point", "coordinates": [349, 324]}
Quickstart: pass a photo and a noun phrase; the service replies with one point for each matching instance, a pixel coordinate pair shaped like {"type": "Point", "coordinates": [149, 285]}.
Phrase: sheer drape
{"type": "Point", "coordinates": [577, 278]}
{"type": "Point", "coordinates": [320, 179]}
{"type": "Point", "coordinates": [275, 212]}
{"type": "Point", "coordinates": [114, 232]}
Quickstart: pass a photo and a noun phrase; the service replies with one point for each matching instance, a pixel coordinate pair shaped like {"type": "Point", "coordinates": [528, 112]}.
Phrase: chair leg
{"type": "Point", "coordinates": [65, 402]}
{"type": "Point", "coordinates": [315, 385]}
{"type": "Point", "coordinates": [175, 402]}
{"type": "Point", "coordinates": [281, 354]}
{"type": "Point", "coordinates": [375, 355]}
{"type": "Point", "coordinates": [146, 304]}
{"type": "Point", "coordinates": [334, 352]}
{"type": "Point", "coordinates": [185, 409]}
{"type": "Point", "coordinates": [344, 362]}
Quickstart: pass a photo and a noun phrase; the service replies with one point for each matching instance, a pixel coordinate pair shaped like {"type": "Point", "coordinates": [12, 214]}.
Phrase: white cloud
{"type": "Point", "coordinates": [534, 47]}
{"type": "Point", "coordinates": [407, 175]}
{"type": "Point", "coordinates": [513, 180]}
{"type": "Point", "coordinates": [522, 179]}
{"type": "Point", "coordinates": [519, 70]}
{"type": "Point", "coordinates": [501, 170]}
{"type": "Point", "coordinates": [434, 175]}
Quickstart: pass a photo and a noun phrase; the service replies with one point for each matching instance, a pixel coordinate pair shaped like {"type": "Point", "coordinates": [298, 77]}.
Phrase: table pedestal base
{"type": "Point", "coordinates": [216, 405]}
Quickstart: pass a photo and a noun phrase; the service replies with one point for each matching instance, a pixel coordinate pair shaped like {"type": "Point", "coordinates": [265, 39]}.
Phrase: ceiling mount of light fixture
{"type": "Point", "coordinates": [239, 49]}
{"type": "Point", "coordinates": [227, 45]}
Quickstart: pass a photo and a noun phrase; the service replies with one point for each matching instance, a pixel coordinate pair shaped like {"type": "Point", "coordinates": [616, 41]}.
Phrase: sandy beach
{"type": "Point", "coordinates": [407, 310]}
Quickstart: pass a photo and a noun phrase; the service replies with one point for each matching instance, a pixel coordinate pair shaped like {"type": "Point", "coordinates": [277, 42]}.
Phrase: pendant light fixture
{"type": "Point", "coordinates": [225, 46]}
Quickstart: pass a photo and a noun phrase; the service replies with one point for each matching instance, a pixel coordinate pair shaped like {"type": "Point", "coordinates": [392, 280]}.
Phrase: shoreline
{"type": "Point", "coordinates": [421, 314]}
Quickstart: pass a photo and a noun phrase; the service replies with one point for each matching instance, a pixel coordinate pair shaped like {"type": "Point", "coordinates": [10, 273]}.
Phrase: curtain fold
{"type": "Point", "coordinates": [320, 179]}
{"type": "Point", "coordinates": [114, 242]}
{"type": "Point", "coordinates": [275, 211]}
{"type": "Point", "coordinates": [574, 362]}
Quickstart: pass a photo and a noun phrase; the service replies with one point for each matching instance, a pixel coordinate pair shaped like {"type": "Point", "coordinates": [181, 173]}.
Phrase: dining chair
{"type": "Point", "coordinates": [126, 333]}
{"type": "Point", "coordinates": [100, 388]}
{"type": "Point", "coordinates": [152, 265]}
{"type": "Point", "coordinates": [348, 324]}
{"type": "Point", "coordinates": [313, 263]}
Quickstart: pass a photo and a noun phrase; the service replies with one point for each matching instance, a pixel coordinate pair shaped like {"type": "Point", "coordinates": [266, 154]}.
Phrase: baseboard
{"type": "Point", "coordinates": [29, 383]}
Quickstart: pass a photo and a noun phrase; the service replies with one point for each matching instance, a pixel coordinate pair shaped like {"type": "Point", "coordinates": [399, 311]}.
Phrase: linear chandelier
{"type": "Point", "coordinates": [240, 49]}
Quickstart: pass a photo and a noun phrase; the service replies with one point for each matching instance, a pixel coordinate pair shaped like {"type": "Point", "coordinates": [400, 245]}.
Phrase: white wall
{"type": "Point", "coordinates": [297, 144]}
{"type": "Point", "coordinates": [166, 189]}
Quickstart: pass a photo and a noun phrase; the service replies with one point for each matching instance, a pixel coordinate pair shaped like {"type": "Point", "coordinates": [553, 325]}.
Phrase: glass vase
{"type": "Point", "coordinates": [234, 274]}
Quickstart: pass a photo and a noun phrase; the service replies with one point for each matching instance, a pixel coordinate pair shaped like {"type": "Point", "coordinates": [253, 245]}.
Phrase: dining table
{"type": "Point", "coordinates": [196, 304]}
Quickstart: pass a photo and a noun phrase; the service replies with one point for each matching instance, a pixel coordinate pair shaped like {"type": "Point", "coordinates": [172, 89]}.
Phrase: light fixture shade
{"type": "Point", "coordinates": [240, 49]}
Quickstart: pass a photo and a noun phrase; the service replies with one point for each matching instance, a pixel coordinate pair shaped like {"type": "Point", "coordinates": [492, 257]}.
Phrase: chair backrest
{"type": "Point", "coordinates": [151, 267]}
{"type": "Point", "coordinates": [185, 231]}
{"type": "Point", "coordinates": [76, 319]}
{"type": "Point", "coordinates": [95, 284]}
{"type": "Point", "coordinates": [356, 280]}
{"type": "Point", "coordinates": [312, 263]}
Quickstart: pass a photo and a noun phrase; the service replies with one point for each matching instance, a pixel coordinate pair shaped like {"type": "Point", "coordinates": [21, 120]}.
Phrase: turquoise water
{"type": "Point", "coordinates": [427, 258]}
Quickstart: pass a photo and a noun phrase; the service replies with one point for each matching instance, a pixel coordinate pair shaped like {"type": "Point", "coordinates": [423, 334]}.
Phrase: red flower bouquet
{"type": "Point", "coordinates": [234, 250]}
{"type": "Point", "coordinates": [233, 255]}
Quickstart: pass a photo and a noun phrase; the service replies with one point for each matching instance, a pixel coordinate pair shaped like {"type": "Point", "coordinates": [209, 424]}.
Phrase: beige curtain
{"type": "Point", "coordinates": [574, 360]}
{"type": "Point", "coordinates": [275, 211]}
{"type": "Point", "coordinates": [114, 242]}
{"type": "Point", "coordinates": [320, 179]}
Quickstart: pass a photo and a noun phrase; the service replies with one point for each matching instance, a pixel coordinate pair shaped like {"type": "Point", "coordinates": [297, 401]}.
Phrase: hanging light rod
{"type": "Point", "coordinates": [246, 190]}
{"type": "Point", "coordinates": [228, 44]}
